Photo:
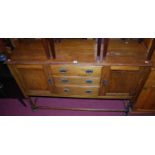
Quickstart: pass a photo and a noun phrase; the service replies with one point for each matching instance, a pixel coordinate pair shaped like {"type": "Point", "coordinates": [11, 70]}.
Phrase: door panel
{"type": "Point", "coordinates": [33, 79]}
{"type": "Point", "coordinates": [122, 80]}
{"type": "Point", "coordinates": [146, 99]}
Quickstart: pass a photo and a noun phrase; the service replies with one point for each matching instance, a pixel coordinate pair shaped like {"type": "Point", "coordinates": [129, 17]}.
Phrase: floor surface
{"type": "Point", "coordinates": [12, 107]}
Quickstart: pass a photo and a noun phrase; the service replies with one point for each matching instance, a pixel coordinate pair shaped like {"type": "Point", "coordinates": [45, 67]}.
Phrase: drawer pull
{"type": "Point", "coordinates": [89, 71]}
{"type": "Point", "coordinates": [64, 80]}
{"type": "Point", "coordinates": [62, 70]}
{"type": "Point", "coordinates": [66, 90]}
{"type": "Point", "coordinates": [89, 81]}
{"type": "Point", "coordinates": [88, 91]}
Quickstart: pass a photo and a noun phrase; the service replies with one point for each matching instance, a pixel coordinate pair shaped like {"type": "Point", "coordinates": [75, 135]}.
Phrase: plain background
{"type": "Point", "coordinates": [77, 135]}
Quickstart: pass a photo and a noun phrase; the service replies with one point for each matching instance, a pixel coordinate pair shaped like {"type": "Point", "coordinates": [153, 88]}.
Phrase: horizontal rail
{"type": "Point", "coordinates": [80, 109]}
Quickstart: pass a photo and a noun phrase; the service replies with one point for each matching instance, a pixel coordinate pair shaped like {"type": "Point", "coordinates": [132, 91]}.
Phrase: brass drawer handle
{"type": "Point", "coordinates": [89, 71]}
{"type": "Point", "coordinates": [88, 91]}
{"type": "Point", "coordinates": [89, 81]}
{"type": "Point", "coordinates": [66, 90]}
{"type": "Point", "coordinates": [62, 70]}
{"type": "Point", "coordinates": [64, 81]}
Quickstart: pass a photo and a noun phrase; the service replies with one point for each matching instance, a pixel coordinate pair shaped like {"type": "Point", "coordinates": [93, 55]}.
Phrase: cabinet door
{"type": "Point", "coordinates": [122, 80]}
{"type": "Point", "coordinates": [146, 99]}
{"type": "Point", "coordinates": [33, 79]}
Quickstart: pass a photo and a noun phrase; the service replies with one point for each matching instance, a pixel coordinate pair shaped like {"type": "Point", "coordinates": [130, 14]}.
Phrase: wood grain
{"type": "Point", "coordinates": [76, 80]}
{"type": "Point", "coordinates": [77, 90]}
{"type": "Point", "coordinates": [76, 70]}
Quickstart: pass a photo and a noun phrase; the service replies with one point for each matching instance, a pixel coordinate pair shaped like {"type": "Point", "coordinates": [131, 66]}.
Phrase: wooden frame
{"type": "Point", "coordinates": [150, 50]}
{"type": "Point", "coordinates": [99, 44]}
{"type": "Point", "coordinates": [52, 47]}
{"type": "Point", "coordinates": [48, 44]}
{"type": "Point", "coordinates": [46, 47]}
{"type": "Point", "coordinates": [105, 46]}
{"type": "Point", "coordinates": [102, 45]}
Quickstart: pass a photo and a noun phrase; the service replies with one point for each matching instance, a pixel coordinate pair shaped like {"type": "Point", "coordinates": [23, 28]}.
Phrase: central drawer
{"type": "Point", "coordinates": [76, 70]}
{"type": "Point", "coordinates": [76, 90]}
{"type": "Point", "coordinates": [76, 80]}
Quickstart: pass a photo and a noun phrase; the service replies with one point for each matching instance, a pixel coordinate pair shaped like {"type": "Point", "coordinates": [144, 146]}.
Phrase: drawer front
{"type": "Point", "coordinates": [77, 91]}
{"type": "Point", "coordinates": [76, 70]}
{"type": "Point", "coordinates": [76, 80]}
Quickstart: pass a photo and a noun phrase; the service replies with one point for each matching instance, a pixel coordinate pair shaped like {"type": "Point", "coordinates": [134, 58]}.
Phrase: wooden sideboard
{"type": "Point", "coordinates": [86, 68]}
{"type": "Point", "coordinates": [79, 80]}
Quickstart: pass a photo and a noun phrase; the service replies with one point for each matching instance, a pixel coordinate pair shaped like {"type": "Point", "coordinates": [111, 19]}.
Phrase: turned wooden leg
{"type": "Point", "coordinates": [32, 103]}
{"type": "Point", "coordinates": [21, 101]}
{"type": "Point", "coordinates": [127, 107]}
